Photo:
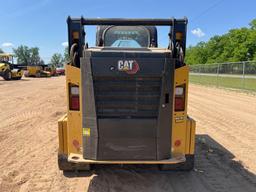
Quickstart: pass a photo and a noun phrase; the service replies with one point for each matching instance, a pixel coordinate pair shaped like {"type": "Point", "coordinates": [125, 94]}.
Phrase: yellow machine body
{"type": "Point", "coordinates": [100, 126]}
{"type": "Point", "coordinates": [37, 71]}
{"type": "Point", "coordinates": [70, 127]}
{"type": "Point", "coordinates": [8, 70]}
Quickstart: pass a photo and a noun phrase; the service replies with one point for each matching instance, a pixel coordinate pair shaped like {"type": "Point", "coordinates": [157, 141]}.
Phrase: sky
{"type": "Point", "coordinates": [42, 23]}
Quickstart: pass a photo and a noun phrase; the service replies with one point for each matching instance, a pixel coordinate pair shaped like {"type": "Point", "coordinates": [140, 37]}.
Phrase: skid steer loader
{"type": "Point", "coordinates": [127, 98]}
{"type": "Point", "coordinates": [9, 70]}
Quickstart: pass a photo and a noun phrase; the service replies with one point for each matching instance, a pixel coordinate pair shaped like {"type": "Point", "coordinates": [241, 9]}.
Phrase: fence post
{"type": "Point", "coordinates": [218, 69]}
{"type": "Point", "coordinates": [243, 74]}
{"type": "Point", "coordinates": [200, 73]}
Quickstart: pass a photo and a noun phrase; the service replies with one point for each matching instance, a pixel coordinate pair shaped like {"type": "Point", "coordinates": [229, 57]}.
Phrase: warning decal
{"type": "Point", "coordinates": [86, 131]}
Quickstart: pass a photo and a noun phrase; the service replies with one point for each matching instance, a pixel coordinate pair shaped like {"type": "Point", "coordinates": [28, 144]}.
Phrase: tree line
{"type": "Point", "coordinates": [30, 56]}
{"type": "Point", "coordinates": [236, 45]}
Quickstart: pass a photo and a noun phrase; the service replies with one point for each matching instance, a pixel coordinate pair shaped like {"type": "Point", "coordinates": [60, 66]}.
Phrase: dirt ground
{"type": "Point", "coordinates": [30, 108]}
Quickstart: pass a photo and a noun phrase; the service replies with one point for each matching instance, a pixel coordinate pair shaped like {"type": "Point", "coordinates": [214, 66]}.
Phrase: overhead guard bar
{"type": "Point", "coordinates": [132, 21]}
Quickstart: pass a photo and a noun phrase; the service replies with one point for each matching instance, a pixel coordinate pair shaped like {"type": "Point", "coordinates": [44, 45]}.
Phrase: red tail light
{"type": "Point", "coordinates": [180, 98]}
{"type": "Point", "coordinates": [74, 103]}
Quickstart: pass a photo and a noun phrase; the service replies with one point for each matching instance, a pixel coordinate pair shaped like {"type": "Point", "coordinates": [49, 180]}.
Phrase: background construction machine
{"type": "Point", "coordinates": [127, 98]}
{"type": "Point", "coordinates": [51, 68]}
{"type": "Point", "coordinates": [9, 70]}
{"type": "Point", "coordinates": [37, 71]}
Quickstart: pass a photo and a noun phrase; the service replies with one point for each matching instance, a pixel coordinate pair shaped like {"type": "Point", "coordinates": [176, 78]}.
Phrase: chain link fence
{"type": "Point", "coordinates": [237, 75]}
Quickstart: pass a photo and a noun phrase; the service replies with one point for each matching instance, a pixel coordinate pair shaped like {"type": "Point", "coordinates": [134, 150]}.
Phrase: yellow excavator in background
{"type": "Point", "coordinates": [9, 70]}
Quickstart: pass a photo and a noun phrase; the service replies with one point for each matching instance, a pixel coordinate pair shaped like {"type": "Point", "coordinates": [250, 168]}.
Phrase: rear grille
{"type": "Point", "coordinates": [127, 97]}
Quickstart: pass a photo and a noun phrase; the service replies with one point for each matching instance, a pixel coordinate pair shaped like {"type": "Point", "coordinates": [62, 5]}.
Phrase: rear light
{"type": "Point", "coordinates": [74, 90]}
{"type": "Point", "coordinates": [74, 103]}
{"type": "Point", "coordinates": [180, 98]}
{"type": "Point", "coordinates": [179, 91]}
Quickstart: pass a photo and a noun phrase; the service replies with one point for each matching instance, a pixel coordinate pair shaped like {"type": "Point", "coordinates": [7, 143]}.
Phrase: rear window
{"type": "Point", "coordinates": [127, 36]}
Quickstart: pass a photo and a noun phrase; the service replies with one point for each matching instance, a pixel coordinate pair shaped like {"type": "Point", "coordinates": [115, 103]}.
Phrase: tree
{"type": "Point", "coordinates": [28, 56]}
{"type": "Point", "coordinates": [253, 24]}
{"type": "Point", "coordinates": [66, 55]}
{"type": "Point", "coordinates": [197, 54]}
{"type": "Point", "coordinates": [236, 45]}
{"type": "Point", "coordinates": [23, 54]}
{"type": "Point", "coordinates": [57, 60]}
{"type": "Point", "coordinates": [1, 51]}
{"type": "Point", "coordinates": [254, 57]}
{"type": "Point", "coordinates": [34, 57]}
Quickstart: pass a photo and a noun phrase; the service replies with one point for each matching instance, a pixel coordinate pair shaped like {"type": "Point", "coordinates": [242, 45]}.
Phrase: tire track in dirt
{"type": "Point", "coordinates": [224, 121]}
{"type": "Point", "coordinates": [215, 171]}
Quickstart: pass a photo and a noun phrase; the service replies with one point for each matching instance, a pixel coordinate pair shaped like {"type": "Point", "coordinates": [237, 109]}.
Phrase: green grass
{"type": "Point", "coordinates": [228, 82]}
